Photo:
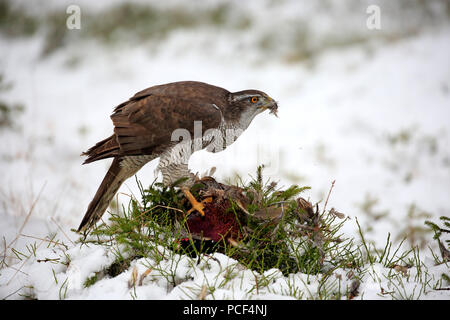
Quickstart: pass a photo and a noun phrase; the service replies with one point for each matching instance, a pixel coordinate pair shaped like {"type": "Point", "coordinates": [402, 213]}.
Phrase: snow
{"type": "Point", "coordinates": [338, 114]}
{"type": "Point", "coordinates": [222, 276]}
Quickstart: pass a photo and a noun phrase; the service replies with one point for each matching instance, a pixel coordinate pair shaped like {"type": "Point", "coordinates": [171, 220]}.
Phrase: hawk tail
{"type": "Point", "coordinates": [106, 148]}
{"type": "Point", "coordinates": [111, 183]}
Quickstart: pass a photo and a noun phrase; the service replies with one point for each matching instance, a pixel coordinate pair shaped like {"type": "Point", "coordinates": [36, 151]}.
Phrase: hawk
{"type": "Point", "coordinates": [151, 124]}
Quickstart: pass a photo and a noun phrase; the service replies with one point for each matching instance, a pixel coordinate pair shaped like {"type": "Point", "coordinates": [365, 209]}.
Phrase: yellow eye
{"type": "Point", "coordinates": [254, 99]}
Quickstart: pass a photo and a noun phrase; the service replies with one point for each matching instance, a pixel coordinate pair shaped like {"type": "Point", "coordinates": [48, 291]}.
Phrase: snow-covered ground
{"type": "Point", "coordinates": [374, 116]}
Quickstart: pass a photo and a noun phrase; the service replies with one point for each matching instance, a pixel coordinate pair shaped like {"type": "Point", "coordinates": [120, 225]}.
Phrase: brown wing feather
{"type": "Point", "coordinates": [147, 121]}
{"type": "Point", "coordinates": [144, 124]}
{"type": "Point", "coordinates": [184, 89]}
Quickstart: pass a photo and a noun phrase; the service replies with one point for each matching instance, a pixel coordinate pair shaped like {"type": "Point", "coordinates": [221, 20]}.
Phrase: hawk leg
{"type": "Point", "coordinates": [196, 205]}
{"type": "Point", "coordinates": [174, 171]}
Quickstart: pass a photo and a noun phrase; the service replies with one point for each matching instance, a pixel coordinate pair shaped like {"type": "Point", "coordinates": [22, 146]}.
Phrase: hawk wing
{"type": "Point", "coordinates": [144, 124]}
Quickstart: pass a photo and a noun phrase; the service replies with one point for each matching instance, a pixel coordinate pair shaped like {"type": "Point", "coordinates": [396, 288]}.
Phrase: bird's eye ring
{"type": "Point", "coordinates": [254, 99]}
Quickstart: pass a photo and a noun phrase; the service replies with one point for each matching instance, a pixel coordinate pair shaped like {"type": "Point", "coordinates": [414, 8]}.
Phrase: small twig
{"type": "Point", "coordinates": [43, 239]}
{"type": "Point", "coordinates": [203, 292]}
{"type": "Point", "coordinates": [26, 219]}
{"type": "Point", "coordinates": [146, 273]}
{"type": "Point", "coordinates": [11, 267]}
{"type": "Point", "coordinates": [4, 252]}
{"type": "Point", "coordinates": [60, 229]}
{"type": "Point", "coordinates": [213, 258]}
{"type": "Point", "coordinates": [301, 226]}
{"type": "Point", "coordinates": [161, 206]}
{"type": "Point", "coordinates": [256, 284]}
{"type": "Point", "coordinates": [48, 260]}
{"type": "Point", "coordinates": [134, 276]}
{"type": "Point", "coordinates": [9, 295]}
{"type": "Point", "coordinates": [328, 196]}
{"type": "Point", "coordinates": [21, 266]}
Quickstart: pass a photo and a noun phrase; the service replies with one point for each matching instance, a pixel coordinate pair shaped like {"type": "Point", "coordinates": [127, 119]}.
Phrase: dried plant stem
{"type": "Point", "coordinates": [328, 196]}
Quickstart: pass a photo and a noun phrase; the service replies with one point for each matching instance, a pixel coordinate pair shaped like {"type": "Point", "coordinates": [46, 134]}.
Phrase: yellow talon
{"type": "Point", "coordinates": [196, 205]}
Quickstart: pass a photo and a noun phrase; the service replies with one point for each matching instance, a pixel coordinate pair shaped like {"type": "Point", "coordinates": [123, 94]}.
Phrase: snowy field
{"type": "Point", "coordinates": [369, 109]}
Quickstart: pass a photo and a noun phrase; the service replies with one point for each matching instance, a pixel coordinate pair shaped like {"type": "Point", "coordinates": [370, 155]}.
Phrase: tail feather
{"type": "Point", "coordinates": [106, 148]}
{"type": "Point", "coordinates": [111, 183]}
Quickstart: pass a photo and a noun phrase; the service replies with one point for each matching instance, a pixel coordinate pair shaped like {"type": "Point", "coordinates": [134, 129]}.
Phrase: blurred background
{"type": "Point", "coordinates": [363, 90]}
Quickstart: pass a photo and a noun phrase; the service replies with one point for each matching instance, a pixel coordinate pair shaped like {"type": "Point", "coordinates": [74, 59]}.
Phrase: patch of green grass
{"type": "Point", "coordinates": [90, 281]}
{"type": "Point", "coordinates": [301, 239]}
{"type": "Point", "coordinates": [438, 231]}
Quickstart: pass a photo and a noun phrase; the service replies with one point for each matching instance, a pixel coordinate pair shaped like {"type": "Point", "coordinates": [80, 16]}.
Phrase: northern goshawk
{"type": "Point", "coordinates": [170, 121]}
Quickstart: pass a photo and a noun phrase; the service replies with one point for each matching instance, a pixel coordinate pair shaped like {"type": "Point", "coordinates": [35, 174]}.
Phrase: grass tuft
{"type": "Point", "coordinates": [278, 230]}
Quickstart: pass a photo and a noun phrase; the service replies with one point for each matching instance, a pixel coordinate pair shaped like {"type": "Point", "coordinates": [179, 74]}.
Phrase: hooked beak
{"type": "Point", "coordinates": [272, 106]}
